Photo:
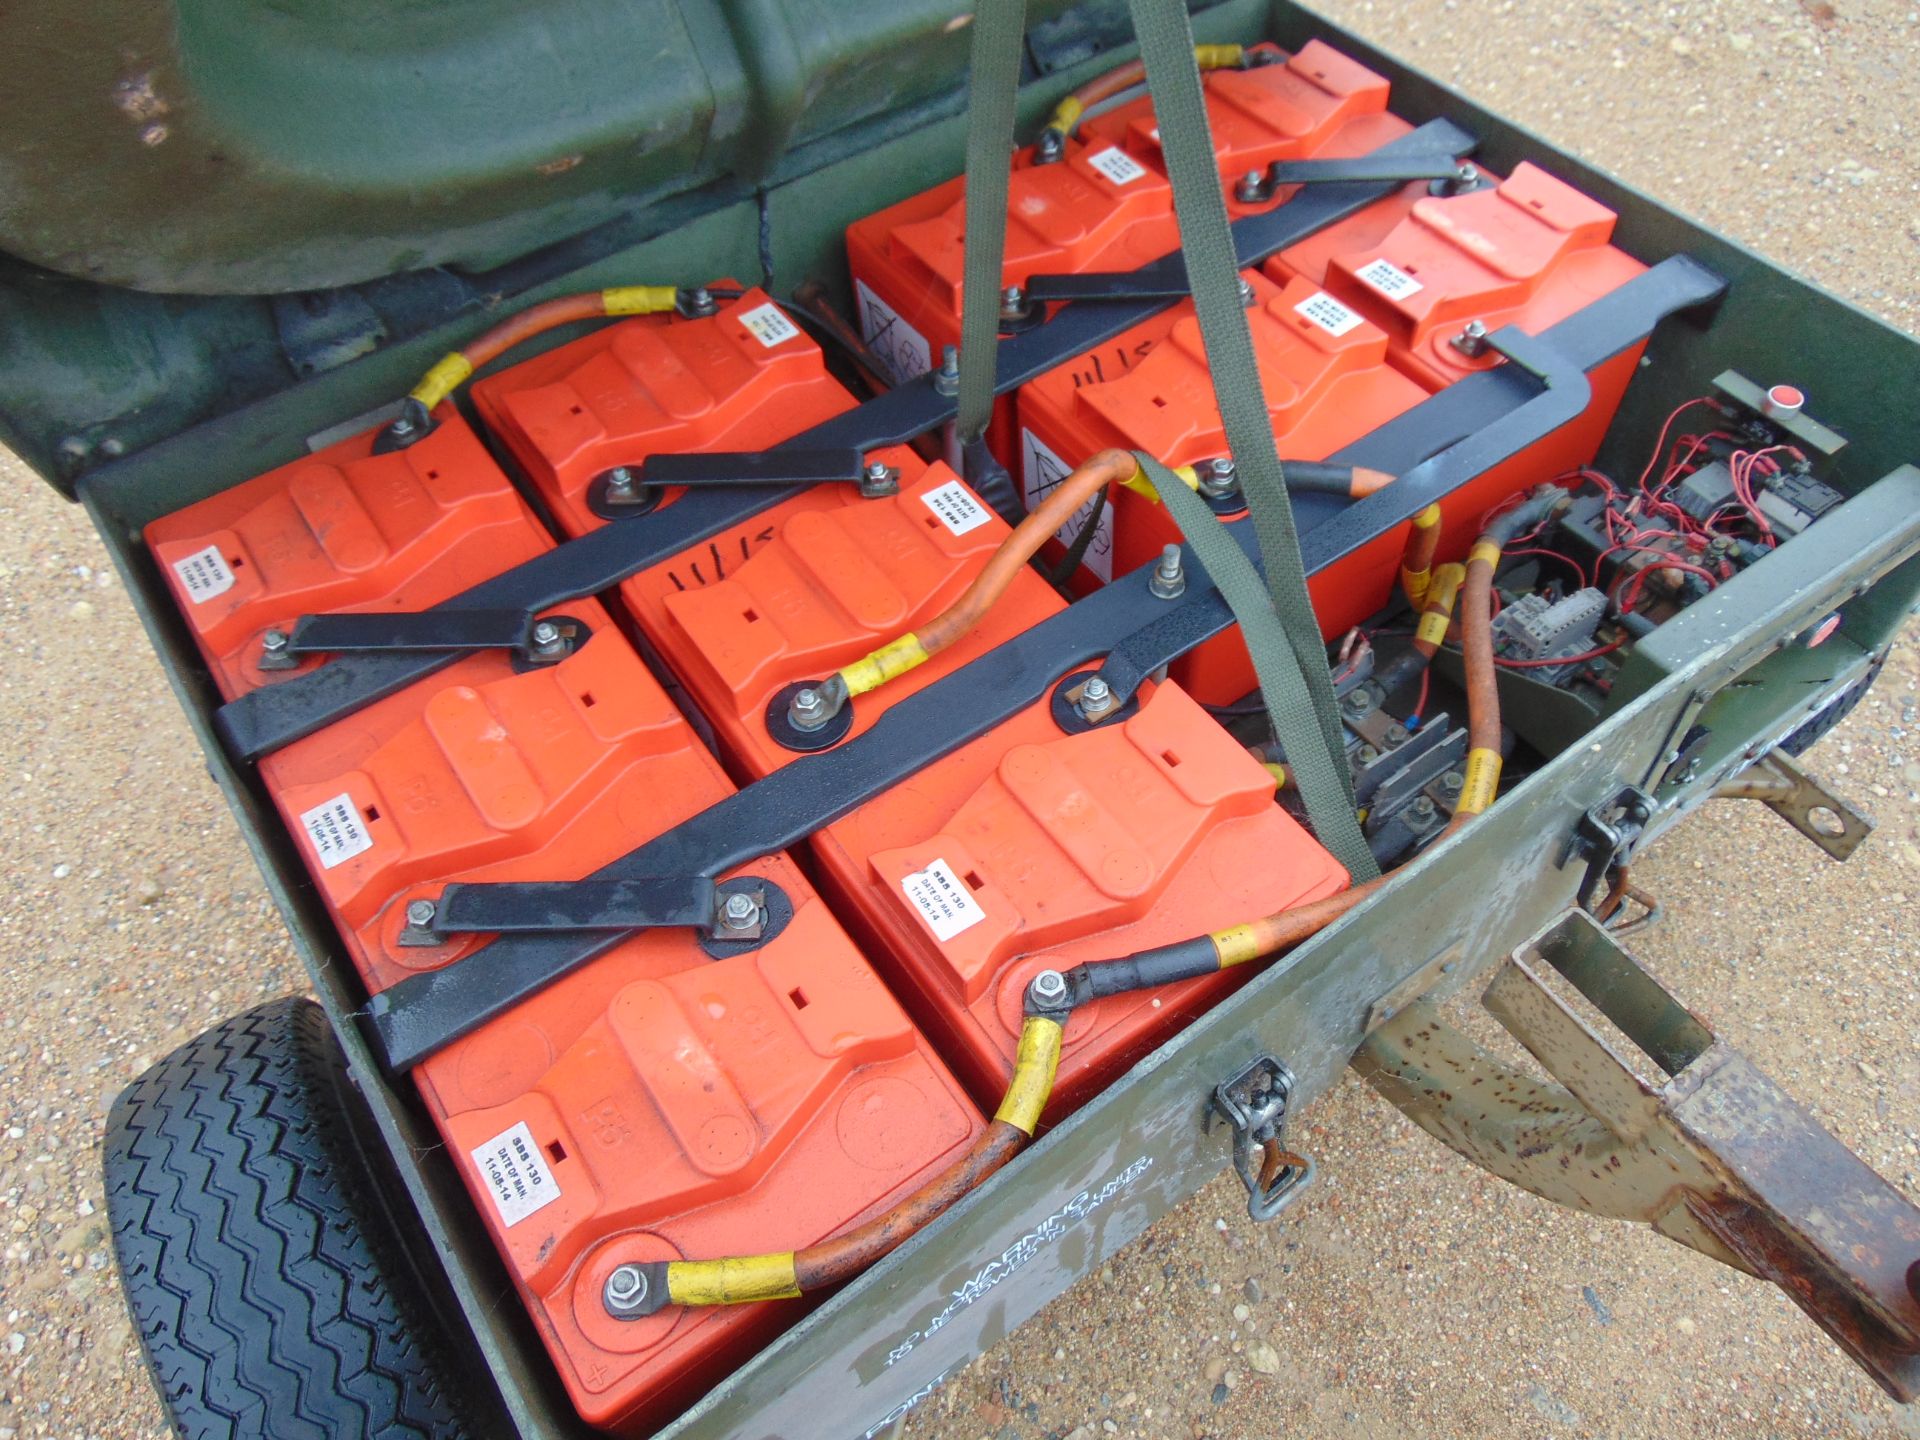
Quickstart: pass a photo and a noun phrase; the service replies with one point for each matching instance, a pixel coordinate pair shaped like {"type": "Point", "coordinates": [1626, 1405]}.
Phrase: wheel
{"type": "Point", "coordinates": [268, 1276]}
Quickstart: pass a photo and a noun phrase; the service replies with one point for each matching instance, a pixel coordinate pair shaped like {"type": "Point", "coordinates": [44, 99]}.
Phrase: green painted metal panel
{"type": "Point", "coordinates": [1095, 1182]}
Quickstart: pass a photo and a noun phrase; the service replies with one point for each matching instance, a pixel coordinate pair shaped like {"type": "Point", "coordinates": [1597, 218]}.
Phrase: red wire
{"type": "Point", "coordinates": [1420, 701]}
{"type": "Point", "coordinates": [1563, 660]}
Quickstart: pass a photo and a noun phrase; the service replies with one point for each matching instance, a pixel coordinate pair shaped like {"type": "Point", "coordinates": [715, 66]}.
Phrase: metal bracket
{"type": "Point", "coordinates": [1254, 1106]}
{"type": "Point", "coordinates": [1450, 171]}
{"type": "Point", "coordinates": [1605, 838]}
{"type": "Point", "coordinates": [543, 641]}
{"type": "Point", "coordinates": [839, 464]}
{"type": "Point", "coordinates": [1802, 801]}
{"type": "Point", "coordinates": [642, 903]}
{"type": "Point", "coordinates": [1673, 1129]}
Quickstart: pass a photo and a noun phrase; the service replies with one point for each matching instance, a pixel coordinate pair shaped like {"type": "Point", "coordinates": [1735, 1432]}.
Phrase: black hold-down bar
{"type": "Point", "coordinates": [786, 465]}
{"type": "Point", "coordinates": [638, 902]}
{"type": "Point", "coordinates": [273, 716]}
{"type": "Point", "coordinates": [1371, 168]}
{"type": "Point", "coordinates": [1481, 420]}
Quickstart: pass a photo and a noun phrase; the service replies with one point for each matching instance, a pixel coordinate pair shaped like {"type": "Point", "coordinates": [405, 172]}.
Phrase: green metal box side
{"type": "Point", "coordinates": [1098, 1180]}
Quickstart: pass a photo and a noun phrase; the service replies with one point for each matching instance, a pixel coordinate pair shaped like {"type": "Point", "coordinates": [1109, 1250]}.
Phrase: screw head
{"type": "Point", "coordinates": [546, 633]}
{"type": "Point", "coordinates": [625, 1290]}
{"type": "Point", "coordinates": [878, 470]}
{"type": "Point", "coordinates": [274, 641]}
{"type": "Point", "coordinates": [1453, 782]}
{"type": "Point", "coordinates": [1396, 734]}
{"type": "Point", "coordinates": [420, 913]}
{"type": "Point", "coordinates": [740, 911]}
{"type": "Point", "coordinates": [1356, 702]}
{"type": "Point", "coordinates": [1468, 174]}
{"type": "Point", "coordinates": [620, 478]}
{"type": "Point", "coordinates": [1048, 986]}
{"type": "Point", "coordinates": [1252, 187]}
{"type": "Point", "coordinates": [402, 424]}
{"type": "Point", "coordinates": [1422, 807]}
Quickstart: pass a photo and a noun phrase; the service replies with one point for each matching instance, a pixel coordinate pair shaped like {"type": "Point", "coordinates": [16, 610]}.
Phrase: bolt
{"type": "Point", "coordinates": [1357, 701]}
{"type": "Point", "coordinates": [274, 641]}
{"type": "Point", "coordinates": [1169, 579]}
{"type": "Point", "coordinates": [1467, 176]}
{"type": "Point", "coordinates": [1396, 735]}
{"type": "Point", "coordinates": [879, 480]}
{"type": "Point", "coordinates": [1219, 479]}
{"type": "Point", "coordinates": [546, 634]}
{"type": "Point", "coordinates": [1096, 698]}
{"type": "Point", "coordinates": [1049, 987]}
{"type": "Point", "coordinates": [420, 913]}
{"type": "Point", "coordinates": [626, 1290]}
{"type": "Point", "coordinates": [1246, 293]}
{"type": "Point", "coordinates": [620, 480]}
{"type": "Point", "coordinates": [1422, 808]}
{"type": "Point", "coordinates": [808, 710]}
{"type": "Point", "coordinates": [1013, 303]}
{"type": "Point", "coordinates": [1471, 341]}
{"type": "Point", "coordinates": [402, 424]}
{"type": "Point", "coordinates": [1367, 754]}
{"type": "Point", "coordinates": [1453, 782]}
{"type": "Point", "coordinates": [1252, 188]}
{"type": "Point", "coordinates": [700, 301]}
{"type": "Point", "coordinates": [946, 380]}
{"type": "Point", "coordinates": [741, 911]}
{"type": "Point", "coordinates": [1051, 147]}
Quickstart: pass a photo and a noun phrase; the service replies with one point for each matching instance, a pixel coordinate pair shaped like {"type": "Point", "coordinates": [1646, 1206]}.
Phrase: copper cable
{"type": "Point", "coordinates": [847, 1255]}
{"type": "Point", "coordinates": [1108, 467]}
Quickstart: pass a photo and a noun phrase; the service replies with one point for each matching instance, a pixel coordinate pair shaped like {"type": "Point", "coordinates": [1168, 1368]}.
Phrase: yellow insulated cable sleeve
{"type": "Point", "coordinates": [1066, 115]}
{"type": "Point", "coordinates": [1277, 771]}
{"type": "Point", "coordinates": [1237, 945]}
{"type": "Point", "coordinates": [896, 657]}
{"type": "Point", "coordinates": [1414, 582]}
{"type": "Point", "coordinates": [1486, 550]}
{"type": "Point", "coordinates": [734, 1281]}
{"type": "Point", "coordinates": [638, 299]}
{"type": "Point", "coordinates": [1441, 592]}
{"type": "Point", "coordinates": [1141, 485]}
{"type": "Point", "coordinates": [441, 381]}
{"type": "Point", "coordinates": [1034, 1065]}
{"type": "Point", "coordinates": [1483, 781]}
{"type": "Point", "coordinates": [1217, 57]}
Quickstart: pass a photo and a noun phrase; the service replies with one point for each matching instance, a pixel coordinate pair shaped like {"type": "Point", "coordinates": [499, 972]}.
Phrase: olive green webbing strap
{"type": "Point", "coordinates": [1277, 620]}
{"type": "Point", "coordinates": [1320, 773]}
{"type": "Point", "coordinates": [993, 86]}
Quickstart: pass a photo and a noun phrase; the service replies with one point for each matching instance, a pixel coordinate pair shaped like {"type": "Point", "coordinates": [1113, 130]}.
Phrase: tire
{"type": "Point", "coordinates": [268, 1278]}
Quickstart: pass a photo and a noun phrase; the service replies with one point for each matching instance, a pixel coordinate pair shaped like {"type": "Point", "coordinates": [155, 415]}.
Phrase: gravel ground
{"type": "Point", "coordinates": [1413, 1295]}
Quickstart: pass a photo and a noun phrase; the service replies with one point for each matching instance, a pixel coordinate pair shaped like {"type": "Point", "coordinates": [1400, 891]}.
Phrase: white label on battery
{"type": "Point", "coordinates": [515, 1174]}
{"type": "Point", "coordinates": [943, 900]}
{"type": "Point", "coordinates": [901, 350]}
{"type": "Point", "coordinates": [1389, 279]}
{"type": "Point", "coordinates": [205, 574]}
{"type": "Point", "coordinates": [769, 325]}
{"type": "Point", "coordinates": [956, 507]}
{"type": "Point", "coordinates": [1118, 166]}
{"type": "Point", "coordinates": [336, 831]}
{"type": "Point", "coordinates": [1328, 313]}
{"type": "Point", "coordinates": [1040, 471]}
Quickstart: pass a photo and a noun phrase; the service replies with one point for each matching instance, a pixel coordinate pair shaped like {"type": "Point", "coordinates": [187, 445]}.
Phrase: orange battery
{"type": "Point", "coordinates": [1528, 251]}
{"type": "Point", "coordinates": [342, 529]}
{"type": "Point", "coordinates": [1324, 371]}
{"type": "Point", "coordinates": [1048, 849]}
{"type": "Point", "coordinates": [1317, 102]}
{"type": "Point", "coordinates": [743, 378]}
{"type": "Point", "coordinates": [1105, 205]}
{"type": "Point", "coordinates": [658, 1102]}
